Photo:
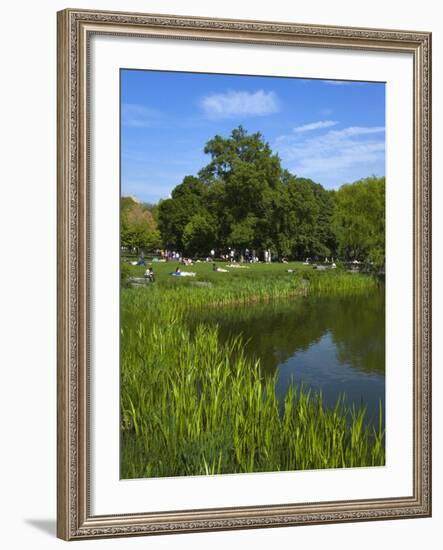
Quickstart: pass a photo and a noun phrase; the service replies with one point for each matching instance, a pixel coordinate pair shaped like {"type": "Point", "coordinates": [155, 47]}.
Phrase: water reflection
{"type": "Point", "coordinates": [331, 343]}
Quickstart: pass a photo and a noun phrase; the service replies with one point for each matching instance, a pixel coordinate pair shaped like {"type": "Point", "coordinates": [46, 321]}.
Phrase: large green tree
{"type": "Point", "coordinates": [244, 181]}
{"type": "Point", "coordinates": [138, 227]}
{"type": "Point", "coordinates": [359, 220]}
{"type": "Point", "coordinates": [174, 214]}
{"type": "Point", "coordinates": [244, 198]}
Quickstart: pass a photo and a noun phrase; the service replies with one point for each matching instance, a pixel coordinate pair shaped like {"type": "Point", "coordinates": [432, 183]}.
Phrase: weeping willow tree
{"type": "Point", "coordinates": [359, 220]}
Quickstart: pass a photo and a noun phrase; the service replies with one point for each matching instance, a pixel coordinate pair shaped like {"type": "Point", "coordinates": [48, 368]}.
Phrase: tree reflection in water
{"type": "Point", "coordinates": [331, 343]}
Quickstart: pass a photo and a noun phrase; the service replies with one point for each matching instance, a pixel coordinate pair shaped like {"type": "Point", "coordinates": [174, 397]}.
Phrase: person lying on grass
{"type": "Point", "coordinates": [179, 273]}
{"type": "Point", "coordinates": [238, 266]}
{"type": "Point", "coordinates": [219, 269]}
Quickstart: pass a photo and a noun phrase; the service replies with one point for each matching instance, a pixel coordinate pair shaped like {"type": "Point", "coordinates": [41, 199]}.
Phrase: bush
{"type": "Point", "coordinates": [125, 273]}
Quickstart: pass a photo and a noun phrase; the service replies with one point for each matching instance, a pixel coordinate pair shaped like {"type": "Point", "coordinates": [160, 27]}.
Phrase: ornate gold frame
{"type": "Point", "coordinates": [75, 27]}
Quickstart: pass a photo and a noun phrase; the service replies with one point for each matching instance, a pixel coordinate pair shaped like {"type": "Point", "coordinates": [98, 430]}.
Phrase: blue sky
{"type": "Point", "coordinates": [330, 131]}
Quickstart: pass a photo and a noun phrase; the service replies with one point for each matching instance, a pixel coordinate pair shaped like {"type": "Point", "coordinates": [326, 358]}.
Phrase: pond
{"type": "Point", "coordinates": [335, 344]}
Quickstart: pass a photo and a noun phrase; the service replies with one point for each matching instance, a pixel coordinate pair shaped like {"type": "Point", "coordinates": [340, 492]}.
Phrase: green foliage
{"type": "Point", "coordinates": [359, 220]}
{"type": "Point", "coordinates": [187, 201]}
{"type": "Point", "coordinates": [138, 228]}
{"type": "Point", "coordinates": [299, 216]}
{"type": "Point", "coordinates": [250, 201]}
{"type": "Point", "coordinates": [244, 198]}
{"type": "Point", "coordinates": [244, 181]}
{"type": "Point", "coordinates": [242, 233]}
{"type": "Point", "coordinates": [125, 273]}
{"type": "Point", "coordinates": [197, 233]}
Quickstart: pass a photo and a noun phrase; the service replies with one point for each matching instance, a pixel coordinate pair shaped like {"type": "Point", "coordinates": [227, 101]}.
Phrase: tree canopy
{"type": "Point", "coordinates": [244, 198]}
{"type": "Point", "coordinates": [138, 228]}
{"type": "Point", "coordinates": [359, 220]}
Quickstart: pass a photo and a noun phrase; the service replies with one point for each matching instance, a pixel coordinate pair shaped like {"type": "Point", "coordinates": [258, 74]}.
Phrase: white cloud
{"type": "Point", "coordinates": [140, 116]}
{"type": "Point", "coordinates": [233, 103]}
{"type": "Point", "coordinates": [315, 125]}
{"type": "Point", "coordinates": [335, 150]}
{"type": "Point", "coordinates": [358, 131]}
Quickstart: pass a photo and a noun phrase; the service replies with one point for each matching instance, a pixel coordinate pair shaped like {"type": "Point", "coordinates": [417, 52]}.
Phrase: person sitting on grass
{"type": "Point", "coordinates": [149, 274]}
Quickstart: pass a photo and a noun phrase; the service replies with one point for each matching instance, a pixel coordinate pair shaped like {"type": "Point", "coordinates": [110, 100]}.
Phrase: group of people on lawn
{"type": "Point", "coordinates": [247, 257]}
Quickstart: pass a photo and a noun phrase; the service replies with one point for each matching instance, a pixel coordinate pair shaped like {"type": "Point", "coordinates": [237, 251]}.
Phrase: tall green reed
{"type": "Point", "coordinates": [192, 406]}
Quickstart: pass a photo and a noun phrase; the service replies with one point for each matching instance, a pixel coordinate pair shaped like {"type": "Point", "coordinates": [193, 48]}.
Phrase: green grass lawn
{"type": "Point", "coordinates": [254, 282]}
{"type": "Point", "coordinates": [204, 271]}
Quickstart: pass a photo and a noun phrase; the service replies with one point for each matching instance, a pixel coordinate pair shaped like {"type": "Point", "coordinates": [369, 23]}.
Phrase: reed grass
{"type": "Point", "coordinates": [191, 405]}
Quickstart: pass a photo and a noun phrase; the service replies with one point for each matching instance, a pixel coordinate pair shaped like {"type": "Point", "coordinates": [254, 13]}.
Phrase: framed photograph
{"type": "Point", "coordinates": [244, 249]}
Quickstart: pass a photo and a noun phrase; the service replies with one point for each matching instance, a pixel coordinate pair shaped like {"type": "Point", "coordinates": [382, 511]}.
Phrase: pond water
{"type": "Point", "coordinates": [335, 344]}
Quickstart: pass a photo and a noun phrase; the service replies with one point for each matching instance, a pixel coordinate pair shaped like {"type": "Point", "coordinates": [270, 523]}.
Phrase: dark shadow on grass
{"type": "Point", "coordinates": [48, 526]}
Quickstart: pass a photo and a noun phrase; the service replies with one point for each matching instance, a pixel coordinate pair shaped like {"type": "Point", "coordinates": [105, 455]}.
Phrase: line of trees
{"type": "Point", "coordinates": [244, 198]}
